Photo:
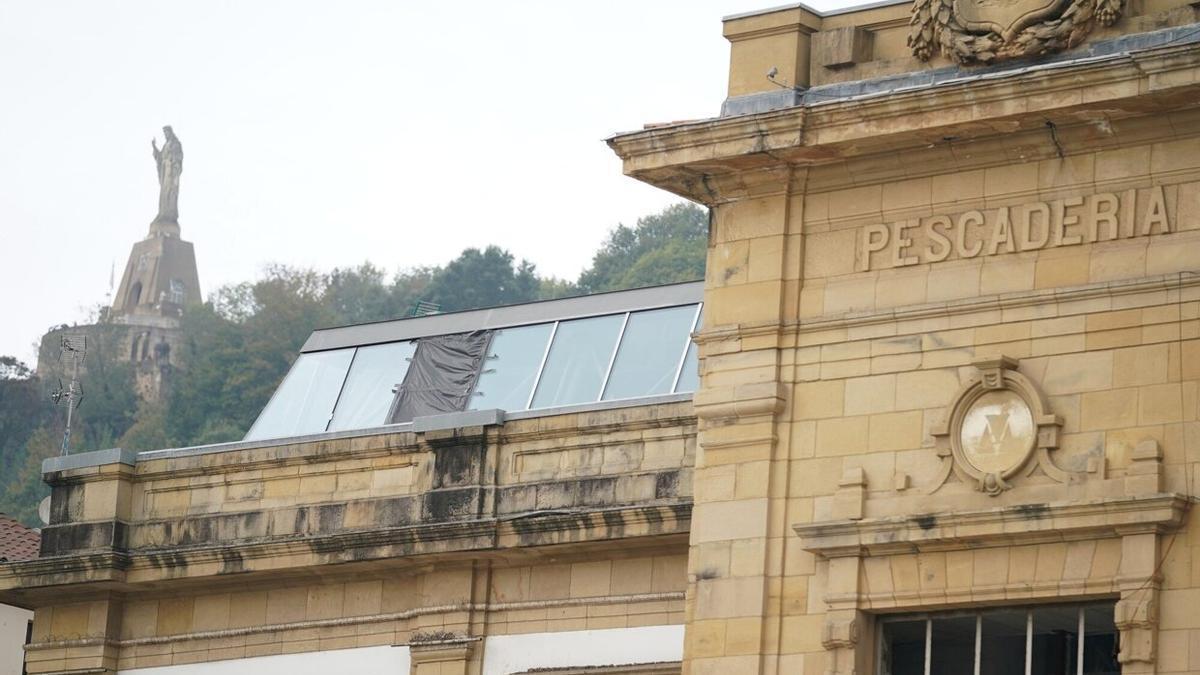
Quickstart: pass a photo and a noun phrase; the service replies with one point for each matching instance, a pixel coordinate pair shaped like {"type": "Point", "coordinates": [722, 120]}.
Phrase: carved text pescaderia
{"type": "Point", "coordinates": [1010, 229]}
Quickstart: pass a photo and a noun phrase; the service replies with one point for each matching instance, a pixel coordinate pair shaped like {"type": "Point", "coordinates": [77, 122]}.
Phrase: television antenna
{"type": "Point", "coordinates": [72, 347]}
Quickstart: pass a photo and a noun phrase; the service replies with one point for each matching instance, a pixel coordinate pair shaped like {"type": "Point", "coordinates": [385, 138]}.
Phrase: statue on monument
{"type": "Point", "coordinates": [170, 164]}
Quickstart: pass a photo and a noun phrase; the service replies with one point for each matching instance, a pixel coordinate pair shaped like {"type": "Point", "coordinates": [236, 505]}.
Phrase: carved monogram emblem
{"type": "Point", "coordinates": [998, 426]}
{"type": "Point", "coordinates": [983, 31]}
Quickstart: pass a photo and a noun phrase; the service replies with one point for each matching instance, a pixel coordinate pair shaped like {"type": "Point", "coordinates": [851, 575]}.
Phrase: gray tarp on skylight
{"type": "Point", "coordinates": [441, 376]}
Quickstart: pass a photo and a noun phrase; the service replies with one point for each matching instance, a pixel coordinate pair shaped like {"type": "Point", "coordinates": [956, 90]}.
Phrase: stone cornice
{"type": "Point", "coordinates": [712, 160]}
{"type": "Point", "coordinates": [668, 596]}
{"type": "Point", "coordinates": [1021, 524]}
{"type": "Point", "coordinates": [121, 569]}
{"type": "Point", "coordinates": [679, 415]}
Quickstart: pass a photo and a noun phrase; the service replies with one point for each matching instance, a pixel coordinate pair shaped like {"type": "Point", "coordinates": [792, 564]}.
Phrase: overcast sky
{"type": "Point", "coordinates": [329, 133]}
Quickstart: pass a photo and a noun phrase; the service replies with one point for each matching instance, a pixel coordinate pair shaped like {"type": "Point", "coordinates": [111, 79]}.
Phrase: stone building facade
{"type": "Point", "coordinates": [950, 353]}
{"type": "Point", "coordinates": [477, 541]}
{"type": "Point", "coordinates": [946, 419]}
{"type": "Point", "coordinates": [17, 542]}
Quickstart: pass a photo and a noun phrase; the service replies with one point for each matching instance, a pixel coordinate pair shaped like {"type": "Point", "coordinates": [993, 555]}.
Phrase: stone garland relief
{"type": "Point", "coordinates": [984, 31]}
{"type": "Point", "coordinates": [998, 426]}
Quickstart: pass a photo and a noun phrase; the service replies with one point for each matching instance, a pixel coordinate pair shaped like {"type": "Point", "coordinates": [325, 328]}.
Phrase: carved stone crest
{"type": "Point", "coordinates": [997, 426]}
{"type": "Point", "coordinates": [982, 31]}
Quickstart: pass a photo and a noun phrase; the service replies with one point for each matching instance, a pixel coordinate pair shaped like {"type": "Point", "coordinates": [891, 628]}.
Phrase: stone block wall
{"type": "Point", "coordinates": [877, 261]}
{"type": "Point", "coordinates": [574, 522]}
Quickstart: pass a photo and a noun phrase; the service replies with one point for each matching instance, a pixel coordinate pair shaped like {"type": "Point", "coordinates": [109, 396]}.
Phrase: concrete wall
{"type": "Point", "coordinates": [503, 655]}
{"type": "Point", "coordinates": [381, 660]}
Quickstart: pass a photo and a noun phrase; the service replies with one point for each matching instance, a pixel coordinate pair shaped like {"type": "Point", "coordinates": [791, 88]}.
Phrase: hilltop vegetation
{"type": "Point", "coordinates": [240, 343]}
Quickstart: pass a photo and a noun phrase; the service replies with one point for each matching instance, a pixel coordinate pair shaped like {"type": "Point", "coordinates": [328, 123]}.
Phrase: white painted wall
{"type": "Point", "coordinates": [503, 655]}
{"type": "Point", "coordinates": [366, 660]}
{"type": "Point", "coordinates": [506, 654]}
{"type": "Point", "coordinates": [13, 624]}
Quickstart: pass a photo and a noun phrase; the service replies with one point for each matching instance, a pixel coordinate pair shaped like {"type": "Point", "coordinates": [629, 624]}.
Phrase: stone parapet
{"type": "Point", "coordinates": [482, 498]}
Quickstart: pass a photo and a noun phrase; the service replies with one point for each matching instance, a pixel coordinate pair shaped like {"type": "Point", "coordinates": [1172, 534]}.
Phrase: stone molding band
{"type": "Point", "coordinates": [1005, 301]}
{"type": "Point", "coordinates": [1066, 521]}
{"type": "Point", "coordinates": [360, 620]}
{"type": "Point", "coordinates": [114, 565]}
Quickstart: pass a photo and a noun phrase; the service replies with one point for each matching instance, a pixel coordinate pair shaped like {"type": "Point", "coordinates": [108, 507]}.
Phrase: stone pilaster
{"type": "Point", "coordinates": [738, 527]}
{"type": "Point", "coordinates": [76, 638]}
{"type": "Point", "coordinates": [442, 656]}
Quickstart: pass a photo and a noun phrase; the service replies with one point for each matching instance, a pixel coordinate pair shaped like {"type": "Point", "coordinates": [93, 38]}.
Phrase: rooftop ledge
{"type": "Point", "coordinates": [449, 421]}
{"type": "Point", "coordinates": [811, 10]}
{"type": "Point", "coordinates": [751, 153]}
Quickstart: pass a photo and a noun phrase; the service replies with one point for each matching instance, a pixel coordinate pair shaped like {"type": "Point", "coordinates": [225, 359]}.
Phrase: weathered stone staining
{"type": "Point", "coordinates": [950, 371]}
{"type": "Point", "coordinates": [1010, 229]}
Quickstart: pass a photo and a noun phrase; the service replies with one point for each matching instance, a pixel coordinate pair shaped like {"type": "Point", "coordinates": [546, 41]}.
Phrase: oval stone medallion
{"type": "Point", "coordinates": [997, 431]}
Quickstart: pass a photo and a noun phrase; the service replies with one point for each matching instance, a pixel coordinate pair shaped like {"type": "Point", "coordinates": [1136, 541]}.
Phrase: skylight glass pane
{"type": "Point", "coordinates": [368, 393]}
{"type": "Point", "coordinates": [577, 362]}
{"type": "Point", "coordinates": [689, 377]}
{"type": "Point", "coordinates": [649, 354]}
{"type": "Point", "coordinates": [304, 401]}
{"type": "Point", "coordinates": [511, 368]}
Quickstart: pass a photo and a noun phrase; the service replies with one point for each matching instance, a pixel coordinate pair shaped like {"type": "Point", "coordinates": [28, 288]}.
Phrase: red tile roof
{"type": "Point", "coordinates": [17, 542]}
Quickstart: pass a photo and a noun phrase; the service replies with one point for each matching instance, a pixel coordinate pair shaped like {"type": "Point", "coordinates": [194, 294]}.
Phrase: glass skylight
{"type": "Point", "coordinates": [650, 353]}
{"type": "Point", "coordinates": [511, 368]}
{"type": "Point", "coordinates": [367, 393]}
{"type": "Point", "coordinates": [578, 361]}
{"type": "Point", "coordinates": [623, 355]}
{"type": "Point", "coordinates": [304, 402]}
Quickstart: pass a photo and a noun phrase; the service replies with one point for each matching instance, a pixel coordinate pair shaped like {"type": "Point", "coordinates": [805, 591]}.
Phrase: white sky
{"type": "Point", "coordinates": [329, 133]}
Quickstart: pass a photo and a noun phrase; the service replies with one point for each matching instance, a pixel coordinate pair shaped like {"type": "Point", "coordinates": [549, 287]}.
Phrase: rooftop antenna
{"type": "Point", "coordinates": [72, 347]}
{"type": "Point", "coordinates": [112, 275]}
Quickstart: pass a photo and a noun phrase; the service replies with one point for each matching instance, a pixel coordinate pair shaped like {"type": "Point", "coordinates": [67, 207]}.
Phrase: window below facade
{"type": "Point", "coordinates": [1042, 640]}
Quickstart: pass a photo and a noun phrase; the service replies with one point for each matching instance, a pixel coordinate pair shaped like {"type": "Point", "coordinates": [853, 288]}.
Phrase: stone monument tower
{"type": "Point", "coordinates": [160, 278]}
{"type": "Point", "coordinates": [159, 281]}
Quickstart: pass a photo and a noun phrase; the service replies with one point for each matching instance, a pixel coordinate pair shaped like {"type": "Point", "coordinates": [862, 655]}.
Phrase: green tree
{"type": "Point", "coordinates": [550, 288]}
{"type": "Point", "coordinates": [408, 288]}
{"type": "Point", "coordinates": [360, 294]}
{"type": "Point", "coordinates": [237, 348]}
{"type": "Point", "coordinates": [24, 489]}
{"type": "Point", "coordinates": [24, 410]}
{"type": "Point", "coordinates": [149, 430]}
{"type": "Point", "coordinates": [110, 400]}
{"type": "Point", "coordinates": [483, 279]}
{"type": "Point", "coordinates": [663, 248]}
